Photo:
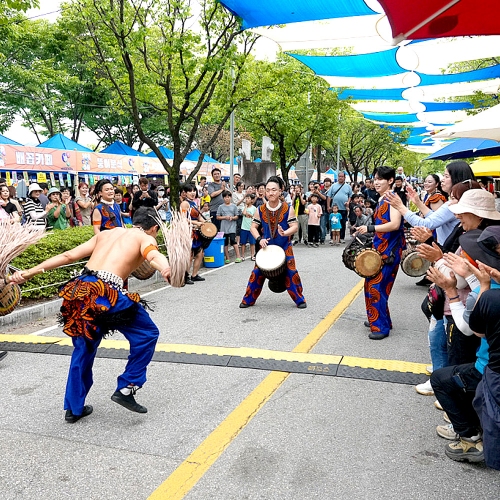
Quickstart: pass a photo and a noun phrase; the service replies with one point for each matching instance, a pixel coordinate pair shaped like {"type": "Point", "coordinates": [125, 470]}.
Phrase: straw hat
{"type": "Point", "coordinates": [34, 187]}
{"type": "Point", "coordinates": [478, 202]}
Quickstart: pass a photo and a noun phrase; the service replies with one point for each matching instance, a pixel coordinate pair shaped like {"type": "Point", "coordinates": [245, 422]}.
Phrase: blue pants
{"type": "Point", "coordinates": [142, 335]}
{"type": "Point", "coordinates": [437, 343]}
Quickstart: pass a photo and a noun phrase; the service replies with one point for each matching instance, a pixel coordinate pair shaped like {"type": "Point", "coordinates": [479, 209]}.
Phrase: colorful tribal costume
{"type": "Point", "coordinates": [377, 289]}
{"type": "Point", "coordinates": [93, 304]}
{"type": "Point", "coordinates": [110, 216]}
{"type": "Point", "coordinates": [269, 221]}
{"type": "Point", "coordinates": [194, 215]}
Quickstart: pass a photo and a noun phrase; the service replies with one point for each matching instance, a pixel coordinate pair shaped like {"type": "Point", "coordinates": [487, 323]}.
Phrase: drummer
{"type": "Point", "coordinates": [389, 241]}
{"type": "Point", "coordinates": [274, 223]}
{"type": "Point", "coordinates": [190, 209]}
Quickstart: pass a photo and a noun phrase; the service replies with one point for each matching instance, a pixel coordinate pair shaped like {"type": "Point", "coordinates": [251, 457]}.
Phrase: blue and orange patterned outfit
{"type": "Point", "coordinates": [269, 230]}
{"type": "Point", "coordinates": [377, 289]}
{"type": "Point", "coordinates": [110, 216]}
{"type": "Point", "coordinates": [94, 304]}
{"type": "Point", "coordinates": [194, 215]}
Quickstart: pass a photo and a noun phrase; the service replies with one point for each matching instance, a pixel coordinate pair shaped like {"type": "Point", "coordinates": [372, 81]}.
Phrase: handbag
{"type": "Point", "coordinates": [433, 303]}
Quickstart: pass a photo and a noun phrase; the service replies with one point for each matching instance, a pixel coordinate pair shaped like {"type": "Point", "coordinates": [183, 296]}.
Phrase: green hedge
{"type": "Point", "coordinates": [53, 243]}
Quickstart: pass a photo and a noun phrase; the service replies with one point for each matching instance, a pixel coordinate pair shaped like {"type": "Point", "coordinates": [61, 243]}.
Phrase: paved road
{"type": "Point", "coordinates": [218, 432]}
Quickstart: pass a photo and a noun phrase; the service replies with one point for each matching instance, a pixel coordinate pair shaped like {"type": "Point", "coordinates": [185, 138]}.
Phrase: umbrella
{"type": "Point", "coordinates": [423, 19]}
{"type": "Point", "coordinates": [466, 148]}
{"type": "Point", "coordinates": [487, 167]}
{"type": "Point", "coordinates": [484, 125]}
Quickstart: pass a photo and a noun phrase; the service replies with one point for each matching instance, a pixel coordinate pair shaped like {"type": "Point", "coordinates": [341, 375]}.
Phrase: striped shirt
{"type": "Point", "coordinates": [34, 209]}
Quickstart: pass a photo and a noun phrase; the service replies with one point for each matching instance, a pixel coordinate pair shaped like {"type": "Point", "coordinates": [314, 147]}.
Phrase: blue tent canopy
{"type": "Point", "coordinates": [195, 154]}
{"type": "Point", "coordinates": [466, 76]}
{"type": "Point", "coordinates": [167, 153]}
{"type": "Point", "coordinates": [6, 140]}
{"type": "Point", "coordinates": [272, 12]}
{"type": "Point", "coordinates": [370, 94]}
{"type": "Point", "coordinates": [361, 65]}
{"type": "Point", "coordinates": [414, 131]}
{"type": "Point", "coordinates": [119, 148]}
{"type": "Point", "coordinates": [392, 117]}
{"type": "Point", "coordinates": [467, 148]}
{"type": "Point", "coordinates": [60, 141]}
{"type": "Point", "coordinates": [419, 141]}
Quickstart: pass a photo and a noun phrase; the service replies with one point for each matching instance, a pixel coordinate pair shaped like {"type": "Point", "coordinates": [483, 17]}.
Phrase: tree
{"type": "Point", "coordinates": [291, 106]}
{"type": "Point", "coordinates": [162, 72]}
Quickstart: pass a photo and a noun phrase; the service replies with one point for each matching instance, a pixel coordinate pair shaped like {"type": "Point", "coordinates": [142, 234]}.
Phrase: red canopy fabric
{"type": "Point", "coordinates": [421, 19]}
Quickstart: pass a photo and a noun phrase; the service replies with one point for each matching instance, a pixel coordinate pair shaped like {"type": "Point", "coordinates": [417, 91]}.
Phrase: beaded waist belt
{"type": "Point", "coordinates": [106, 276]}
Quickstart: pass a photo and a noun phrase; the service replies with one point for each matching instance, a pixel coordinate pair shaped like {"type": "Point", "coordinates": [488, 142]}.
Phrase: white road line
{"type": "Point", "coordinates": [45, 330]}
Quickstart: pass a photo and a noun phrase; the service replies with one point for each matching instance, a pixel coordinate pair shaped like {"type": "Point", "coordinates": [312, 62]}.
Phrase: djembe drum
{"type": "Point", "coordinates": [144, 271]}
{"type": "Point", "coordinates": [272, 264]}
{"type": "Point", "coordinates": [413, 264]}
{"type": "Point", "coordinates": [10, 296]}
{"type": "Point", "coordinates": [208, 231]}
{"type": "Point", "coordinates": [359, 256]}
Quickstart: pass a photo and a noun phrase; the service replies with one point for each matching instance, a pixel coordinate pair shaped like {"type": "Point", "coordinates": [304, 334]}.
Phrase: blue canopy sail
{"type": "Point", "coordinates": [60, 141]}
{"type": "Point", "coordinates": [272, 12]}
{"type": "Point", "coordinates": [119, 148]}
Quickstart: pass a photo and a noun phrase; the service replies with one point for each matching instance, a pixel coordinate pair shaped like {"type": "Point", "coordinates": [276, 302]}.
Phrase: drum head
{"type": "Point", "coordinates": [209, 230]}
{"type": "Point", "coordinates": [413, 265]}
{"type": "Point", "coordinates": [368, 263]}
{"type": "Point", "coordinates": [270, 258]}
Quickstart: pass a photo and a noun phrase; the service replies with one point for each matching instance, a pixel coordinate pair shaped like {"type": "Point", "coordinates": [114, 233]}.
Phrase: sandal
{"type": "Point", "coordinates": [252, 258]}
{"type": "Point", "coordinates": [237, 261]}
{"type": "Point", "coordinates": [227, 261]}
{"type": "Point", "coordinates": [243, 258]}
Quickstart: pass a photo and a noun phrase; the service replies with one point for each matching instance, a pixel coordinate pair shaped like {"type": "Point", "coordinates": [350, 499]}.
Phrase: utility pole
{"type": "Point", "coordinates": [231, 142]}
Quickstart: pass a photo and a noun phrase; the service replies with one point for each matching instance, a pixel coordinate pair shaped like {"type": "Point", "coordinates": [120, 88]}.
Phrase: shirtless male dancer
{"type": "Point", "coordinates": [95, 302]}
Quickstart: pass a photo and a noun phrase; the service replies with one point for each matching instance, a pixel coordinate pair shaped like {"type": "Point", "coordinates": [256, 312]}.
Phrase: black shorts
{"type": "Point", "coordinates": [229, 239]}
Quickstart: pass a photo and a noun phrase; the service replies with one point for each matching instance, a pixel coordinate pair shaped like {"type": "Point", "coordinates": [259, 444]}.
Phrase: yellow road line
{"type": "Point", "coordinates": [184, 478]}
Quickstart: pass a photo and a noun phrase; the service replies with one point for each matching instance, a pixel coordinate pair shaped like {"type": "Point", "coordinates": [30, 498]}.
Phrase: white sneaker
{"type": "Point", "coordinates": [437, 404]}
{"type": "Point", "coordinates": [425, 389]}
{"type": "Point", "coordinates": [446, 417]}
{"type": "Point", "coordinates": [447, 432]}
{"type": "Point", "coordinates": [428, 369]}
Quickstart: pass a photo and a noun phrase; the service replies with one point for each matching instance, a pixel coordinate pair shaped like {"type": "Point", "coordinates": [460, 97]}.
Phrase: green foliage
{"type": "Point", "coordinates": [52, 244]}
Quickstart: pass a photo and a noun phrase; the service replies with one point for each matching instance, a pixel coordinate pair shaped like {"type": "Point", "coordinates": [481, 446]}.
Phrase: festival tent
{"type": "Point", "coordinates": [467, 148]}
{"type": "Point", "coordinates": [119, 148]}
{"type": "Point", "coordinates": [484, 125]}
{"type": "Point", "coordinates": [59, 141]}
{"type": "Point", "coordinates": [488, 167]}
{"type": "Point", "coordinates": [167, 153]}
{"type": "Point", "coordinates": [195, 154]}
{"type": "Point", "coordinates": [6, 140]}
{"type": "Point", "coordinates": [441, 18]}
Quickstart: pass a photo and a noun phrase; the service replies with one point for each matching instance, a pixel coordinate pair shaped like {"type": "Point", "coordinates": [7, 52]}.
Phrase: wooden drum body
{"type": "Point", "coordinates": [10, 296]}
{"type": "Point", "coordinates": [144, 271]}
{"type": "Point", "coordinates": [208, 231]}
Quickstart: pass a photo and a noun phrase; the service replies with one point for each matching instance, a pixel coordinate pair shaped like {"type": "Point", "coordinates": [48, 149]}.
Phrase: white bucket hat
{"type": "Point", "coordinates": [478, 202]}
{"type": "Point", "coordinates": [34, 187]}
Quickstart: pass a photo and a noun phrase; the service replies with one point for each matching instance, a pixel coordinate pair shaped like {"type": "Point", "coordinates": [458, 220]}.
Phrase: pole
{"type": "Point", "coordinates": [231, 143]}
{"type": "Point", "coordinates": [338, 150]}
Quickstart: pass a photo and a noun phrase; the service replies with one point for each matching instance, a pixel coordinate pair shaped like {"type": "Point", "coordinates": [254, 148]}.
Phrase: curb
{"type": "Point", "coordinates": [50, 308]}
